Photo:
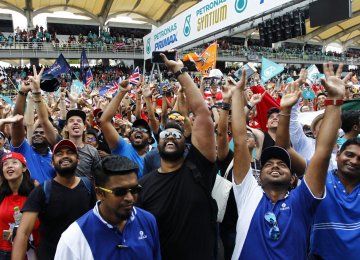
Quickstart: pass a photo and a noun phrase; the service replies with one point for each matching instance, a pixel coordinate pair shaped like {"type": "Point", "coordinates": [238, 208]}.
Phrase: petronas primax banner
{"type": "Point", "coordinates": [203, 19]}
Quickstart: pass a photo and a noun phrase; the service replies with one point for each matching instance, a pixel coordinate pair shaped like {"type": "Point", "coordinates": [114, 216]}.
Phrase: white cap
{"type": "Point", "coordinates": [215, 73]}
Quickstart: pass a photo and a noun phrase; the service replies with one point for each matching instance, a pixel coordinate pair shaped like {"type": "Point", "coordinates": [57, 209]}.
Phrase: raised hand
{"type": "Point", "coordinates": [124, 86]}
{"type": "Point", "coordinates": [226, 90]}
{"type": "Point", "coordinates": [291, 95]}
{"type": "Point", "coordinates": [172, 65]}
{"type": "Point", "coordinates": [148, 90]}
{"type": "Point", "coordinates": [256, 98]}
{"type": "Point", "coordinates": [35, 80]}
{"type": "Point", "coordinates": [25, 86]}
{"type": "Point", "coordinates": [333, 83]}
{"type": "Point", "coordinates": [14, 119]}
{"type": "Point", "coordinates": [240, 85]}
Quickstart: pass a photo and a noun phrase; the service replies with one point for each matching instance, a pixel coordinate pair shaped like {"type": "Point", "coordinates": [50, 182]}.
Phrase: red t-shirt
{"type": "Point", "coordinates": [7, 216]}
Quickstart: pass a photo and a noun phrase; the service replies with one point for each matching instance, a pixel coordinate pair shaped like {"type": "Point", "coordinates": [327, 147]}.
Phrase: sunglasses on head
{"type": "Point", "coordinates": [139, 129]}
{"type": "Point", "coordinates": [274, 232]}
{"type": "Point", "coordinates": [176, 117]}
{"type": "Point", "coordinates": [166, 134]}
{"type": "Point", "coordinates": [118, 192]}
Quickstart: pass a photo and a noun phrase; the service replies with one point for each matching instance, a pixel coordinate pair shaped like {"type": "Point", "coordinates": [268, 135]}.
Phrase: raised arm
{"type": "Point", "coordinates": [242, 157]}
{"type": "Point", "coordinates": [316, 172]}
{"type": "Point", "coordinates": [202, 137]}
{"type": "Point", "coordinates": [222, 133]}
{"type": "Point", "coordinates": [112, 137]}
{"type": "Point", "coordinates": [17, 128]}
{"type": "Point", "coordinates": [147, 92]}
{"type": "Point", "coordinates": [288, 100]}
{"type": "Point", "coordinates": [41, 107]}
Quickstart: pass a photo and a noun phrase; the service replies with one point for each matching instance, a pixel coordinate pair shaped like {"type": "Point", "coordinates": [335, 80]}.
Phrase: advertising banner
{"type": "Point", "coordinates": [202, 19]}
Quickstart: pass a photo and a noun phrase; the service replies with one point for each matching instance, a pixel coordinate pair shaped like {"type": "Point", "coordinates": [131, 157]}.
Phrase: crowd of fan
{"type": "Point", "coordinates": [160, 147]}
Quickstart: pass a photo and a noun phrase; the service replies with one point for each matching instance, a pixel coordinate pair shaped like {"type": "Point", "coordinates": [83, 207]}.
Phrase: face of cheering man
{"type": "Point", "coordinates": [38, 138]}
{"type": "Point", "coordinates": [171, 144]}
{"type": "Point", "coordinates": [139, 137]}
{"type": "Point", "coordinates": [65, 161]}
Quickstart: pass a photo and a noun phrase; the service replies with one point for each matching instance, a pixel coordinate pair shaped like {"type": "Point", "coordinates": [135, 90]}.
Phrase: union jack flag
{"type": "Point", "coordinates": [113, 90]}
{"type": "Point", "coordinates": [89, 78]}
{"type": "Point", "coordinates": [134, 79]}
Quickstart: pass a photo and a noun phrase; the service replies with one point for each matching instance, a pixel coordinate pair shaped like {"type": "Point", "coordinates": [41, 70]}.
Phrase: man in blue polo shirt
{"type": "Point", "coordinates": [37, 153]}
{"type": "Point", "coordinates": [114, 229]}
{"type": "Point", "coordinates": [273, 221]}
{"type": "Point", "coordinates": [336, 230]}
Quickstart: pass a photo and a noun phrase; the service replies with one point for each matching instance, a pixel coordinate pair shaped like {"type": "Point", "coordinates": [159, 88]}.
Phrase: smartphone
{"type": "Point", "coordinates": [156, 58]}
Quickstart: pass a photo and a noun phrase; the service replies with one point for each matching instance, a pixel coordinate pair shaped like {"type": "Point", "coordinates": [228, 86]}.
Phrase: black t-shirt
{"type": "Point", "coordinates": [183, 208]}
{"type": "Point", "coordinates": [103, 145]}
{"type": "Point", "coordinates": [268, 141]}
{"type": "Point", "coordinates": [64, 207]}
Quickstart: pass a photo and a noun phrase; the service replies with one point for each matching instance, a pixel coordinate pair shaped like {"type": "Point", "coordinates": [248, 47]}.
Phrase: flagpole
{"type": "Point", "coordinates": [13, 85]}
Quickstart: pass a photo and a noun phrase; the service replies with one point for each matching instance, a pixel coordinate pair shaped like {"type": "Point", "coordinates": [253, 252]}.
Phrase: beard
{"type": "Point", "coordinates": [139, 146]}
{"type": "Point", "coordinates": [171, 156]}
{"type": "Point", "coordinates": [66, 171]}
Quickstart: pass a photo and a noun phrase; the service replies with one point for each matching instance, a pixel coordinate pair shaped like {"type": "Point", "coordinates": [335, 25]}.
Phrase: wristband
{"type": "Point", "coordinates": [225, 106]}
{"type": "Point", "coordinates": [334, 102]}
{"type": "Point", "coordinates": [181, 71]}
{"type": "Point", "coordinates": [22, 93]}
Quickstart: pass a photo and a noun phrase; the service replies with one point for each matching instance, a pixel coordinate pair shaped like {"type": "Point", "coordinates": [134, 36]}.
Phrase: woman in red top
{"type": "Point", "coordinates": [15, 187]}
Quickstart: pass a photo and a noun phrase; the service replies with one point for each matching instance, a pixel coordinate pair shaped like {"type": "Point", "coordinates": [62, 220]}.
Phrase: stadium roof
{"type": "Point", "coordinates": [157, 12]}
{"type": "Point", "coordinates": [154, 12]}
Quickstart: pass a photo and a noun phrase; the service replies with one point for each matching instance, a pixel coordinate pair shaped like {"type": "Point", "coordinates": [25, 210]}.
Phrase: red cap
{"type": "Point", "coordinates": [13, 155]}
{"type": "Point", "coordinates": [65, 143]}
{"type": "Point", "coordinates": [96, 111]}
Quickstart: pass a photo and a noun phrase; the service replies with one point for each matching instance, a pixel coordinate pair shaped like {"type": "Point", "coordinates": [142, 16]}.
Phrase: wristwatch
{"type": "Point", "coordinates": [181, 71]}
{"type": "Point", "coordinates": [334, 102]}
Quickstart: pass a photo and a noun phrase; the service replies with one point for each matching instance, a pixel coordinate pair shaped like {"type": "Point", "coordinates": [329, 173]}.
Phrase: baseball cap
{"type": "Point", "coordinates": [117, 164]}
{"type": "Point", "coordinates": [275, 152]}
{"type": "Point", "coordinates": [65, 143]}
{"type": "Point", "coordinates": [215, 73]}
{"type": "Point", "coordinates": [96, 111]}
{"type": "Point", "coordinates": [76, 112]}
{"type": "Point", "coordinates": [50, 85]}
{"type": "Point", "coordinates": [18, 156]}
{"type": "Point", "coordinates": [143, 123]}
{"type": "Point", "coordinates": [272, 111]}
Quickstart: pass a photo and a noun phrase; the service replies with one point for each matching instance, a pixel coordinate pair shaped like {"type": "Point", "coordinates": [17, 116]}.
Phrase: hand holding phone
{"type": "Point", "coordinates": [156, 58]}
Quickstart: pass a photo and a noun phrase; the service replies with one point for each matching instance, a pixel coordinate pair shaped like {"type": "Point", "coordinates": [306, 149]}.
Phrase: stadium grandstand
{"type": "Point", "coordinates": [235, 123]}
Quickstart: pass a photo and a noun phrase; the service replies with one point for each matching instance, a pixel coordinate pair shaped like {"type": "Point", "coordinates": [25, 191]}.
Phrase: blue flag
{"type": "Point", "coordinates": [84, 65]}
{"type": "Point", "coordinates": [104, 90]}
{"type": "Point", "coordinates": [60, 66]}
{"type": "Point", "coordinates": [269, 69]}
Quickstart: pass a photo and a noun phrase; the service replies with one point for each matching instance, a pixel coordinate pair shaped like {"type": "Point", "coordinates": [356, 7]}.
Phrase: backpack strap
{"type": "Point", "coordinates": [47, 190]}
{"type": "Point", "coordinates": [87, 184]}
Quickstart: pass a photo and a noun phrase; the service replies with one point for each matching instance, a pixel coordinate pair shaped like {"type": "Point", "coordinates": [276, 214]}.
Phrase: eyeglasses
{"type": "Point", "coordinates": [138, 129]}
{"type": "Point", "coordinates": [118, 192]}
{"type": "Point", "coordinates": [274, 232]}
{"type": "Point", "coordinates": [250, 135]}
{"type": "Point", "coordinates": [91, 139]}
{"type": "Point", "coordinates": [166, 134]}
{"type": "Point", "coordinates": [175, 117]}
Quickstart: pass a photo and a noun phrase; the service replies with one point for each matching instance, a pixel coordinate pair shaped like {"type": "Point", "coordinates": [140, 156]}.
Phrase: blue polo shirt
{"type": "Point", "coordinates": [336, 230]}
{"type": "Point", "coordinates": [91, 237]}
{"type": "Point", "coordinates": [294, 215]}
{"type": "Point", "coordinates": [125, 149]}
{"type": "Point", "coordinates": [39, 165]}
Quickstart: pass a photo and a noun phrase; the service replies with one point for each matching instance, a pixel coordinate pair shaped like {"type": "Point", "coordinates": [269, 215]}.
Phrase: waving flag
{"type": "Point", "coordinates": [89, 78]}
{"type": "Point", "coordinates": [60, 66]}
{"type": "Point", "coordinates": [3, 75]}
{"type": "Point", "coordinates": [134, 79]}
{"type": "Point", "coordinates": [204, 62]}
{"type": "Point", "coordinates": [269, 69]}
{"type": "Point", "coordinates": [84, 65]}
{"type": "Point", "coordinates": [312, 74]}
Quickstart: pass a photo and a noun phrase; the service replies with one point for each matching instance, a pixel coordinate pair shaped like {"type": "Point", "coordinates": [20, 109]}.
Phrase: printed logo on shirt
{"type": "Point", "coordinates": [284, 207]}
{"type": "Point", "coordinates": [141, 235]}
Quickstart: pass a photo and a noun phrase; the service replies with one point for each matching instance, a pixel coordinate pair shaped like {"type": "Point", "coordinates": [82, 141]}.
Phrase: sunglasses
{"type": "Point", "coordinates": [118, 192]}
{"type": "Point", "coordinates": [91, 139]}
{"type": "Point", "coordinates": [250, 135]}
{"type": "Point", "coordinates": [166, 134]}
{"type": "Point", "coordinates": [175, 117]}
{"type": "Point", "coordinates": [138, 129]}
{"type": "Point", "coordinates": [274, 232]}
